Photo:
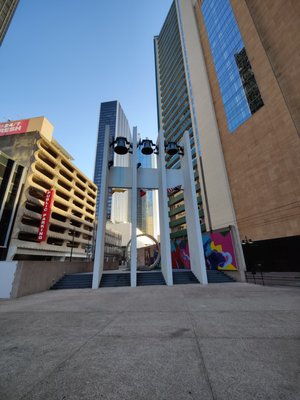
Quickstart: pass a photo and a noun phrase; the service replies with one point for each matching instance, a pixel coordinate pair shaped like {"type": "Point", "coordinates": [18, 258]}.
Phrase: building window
{"type": "Point", "coordinates": [240, 93]}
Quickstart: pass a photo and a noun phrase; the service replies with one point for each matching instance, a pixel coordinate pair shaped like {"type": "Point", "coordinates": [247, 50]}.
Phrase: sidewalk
{"type": "Point", "coordinates": [222, 341]}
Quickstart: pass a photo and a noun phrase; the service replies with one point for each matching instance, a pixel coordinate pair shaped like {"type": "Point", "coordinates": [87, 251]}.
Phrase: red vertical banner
{"type": "Point", "coordinates": [42, 233]}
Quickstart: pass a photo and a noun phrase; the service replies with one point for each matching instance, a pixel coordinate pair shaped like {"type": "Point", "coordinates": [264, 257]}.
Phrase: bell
{"type": "Point", "coordinates": [147, 147]}
{"type": "Point", "coordinates": [171, 148]}
{"type": "Point", "coordinates": [120, 146]}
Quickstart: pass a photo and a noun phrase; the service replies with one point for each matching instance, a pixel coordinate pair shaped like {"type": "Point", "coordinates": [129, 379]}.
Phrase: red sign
{"type": "Point", "coordinates": [42, 233]}
{"type": "Point", "coordinates": [13, 127]}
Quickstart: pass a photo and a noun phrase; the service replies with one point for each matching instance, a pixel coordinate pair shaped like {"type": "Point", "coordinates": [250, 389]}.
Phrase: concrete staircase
{"type": "Point", "coordinates": [215, 276]}
{"type": "Point", "coordinates": [150, 278]}
{"type": "Point", "coordinates": [74, 281]}
{"type": "Point", "coordinates": [115, 279]}
{"type": "Point", "coordinates": [183, 277]}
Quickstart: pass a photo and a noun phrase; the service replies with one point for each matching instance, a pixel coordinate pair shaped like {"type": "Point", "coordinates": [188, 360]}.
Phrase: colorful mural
{"type": "Point", "coordinates": [218, 250]}
{"type": "Point", "coordinates": [180, 254]}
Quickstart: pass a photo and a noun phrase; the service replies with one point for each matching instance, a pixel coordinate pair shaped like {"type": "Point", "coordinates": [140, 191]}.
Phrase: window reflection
{"type": "Point", "coordinates": [239, 90]}
{"type": "Point", "coordinates": [248, 80]}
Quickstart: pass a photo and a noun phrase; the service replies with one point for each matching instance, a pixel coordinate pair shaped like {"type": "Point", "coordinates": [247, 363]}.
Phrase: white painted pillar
{"type": "Point", "coordinates": [165, 246]}
{"type": "Point", "coordinates": [100, 237]}
{"type": "Point", "coordinates": [239, 254]}
{"type": "Point", "coordinates": [133, 251]}
{"type": "Point", "coordinates": [197, 258]}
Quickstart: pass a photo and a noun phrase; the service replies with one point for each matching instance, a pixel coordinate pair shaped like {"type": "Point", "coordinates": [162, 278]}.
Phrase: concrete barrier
{"type": "Point", "coordinates": [37, 276]}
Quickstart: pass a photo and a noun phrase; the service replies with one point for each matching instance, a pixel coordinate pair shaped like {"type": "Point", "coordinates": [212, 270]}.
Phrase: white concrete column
{"type": "Point", "coordinates": [133, 251]}
{"type": "Point", "coordinates": [239, 254]}
{"type": "Point", "coordinates": [196, 250]}
{"type": "Point", "coordinates": [165, 246]}
{"type": "Point", "coordinates": [100, 237]}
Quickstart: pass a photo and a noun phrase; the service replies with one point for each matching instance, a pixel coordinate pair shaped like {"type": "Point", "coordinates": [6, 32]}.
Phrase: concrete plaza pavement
{"type": "Point", "coordinates": [232, 341]}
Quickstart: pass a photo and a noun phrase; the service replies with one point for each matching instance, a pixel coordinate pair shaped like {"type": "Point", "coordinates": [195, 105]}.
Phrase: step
{"type": "Point", "coordinates": [150, 278]}
{"type": "Point", "coordinates": [115, 280]}
{"type": "Point", "coordinates": [78, 278]}
{"type": "Point", "coordinates": [67, 281]}
{"type": "Point", "coordinates": [71, 287]}
{"type": "Point", "coordinates": [218, 277]}
{"type": "Point", "coordinates": [84, 281]}
{"type": "Point", "coordinates": [184, 277]}
{"type": "Point", "coordinates": [74, 281]}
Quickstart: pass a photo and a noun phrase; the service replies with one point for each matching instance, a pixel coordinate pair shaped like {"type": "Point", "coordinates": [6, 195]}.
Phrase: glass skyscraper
{"type": "Point", "coordinates": [145, 204]}
{"type": "Point", "coordinates": [108, 111]}
{"type": "Point", "coordinates": [112, 114]}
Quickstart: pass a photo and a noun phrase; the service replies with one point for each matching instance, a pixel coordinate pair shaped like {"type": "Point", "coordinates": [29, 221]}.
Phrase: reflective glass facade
{"type": "Point", "coordinates": [112, 114]}
{"type": "Point", "coordinates": [239, 90]}
{"type": "Point", "coordinates": [145, 201]}
{"type": "Point", "coordinates": [108, 115]}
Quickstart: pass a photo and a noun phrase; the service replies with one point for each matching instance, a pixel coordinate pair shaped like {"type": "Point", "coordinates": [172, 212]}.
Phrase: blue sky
{"type": "Point", "coordinates": [62, 58]}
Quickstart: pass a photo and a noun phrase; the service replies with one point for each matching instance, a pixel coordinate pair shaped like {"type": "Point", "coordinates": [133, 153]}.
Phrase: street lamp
{"type": "Point", "coordinates": [247, 241]}
{"type": "Point", "coordinates": [110, 164]}
{"type": "Point", "coordinates": [72, 244]}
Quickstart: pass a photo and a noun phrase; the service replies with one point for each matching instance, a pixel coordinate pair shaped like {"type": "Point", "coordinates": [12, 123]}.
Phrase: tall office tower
{"type": "Point", "coordinates": [112, 114]}
{"type": "Point", "coordinates": [175, 113]}
{"type": "Point", "coordinates": [145, 210]}
{"type": "Point", "coordinates": [241, 65]}
{"type": "Point", "coordinates": [7, 9]}
{"type": "Point", "coordinates": [251, 51]}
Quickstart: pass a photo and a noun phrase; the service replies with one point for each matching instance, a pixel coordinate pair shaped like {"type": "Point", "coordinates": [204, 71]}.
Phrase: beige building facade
{"type": "Point", "coordinates": [49, 167]}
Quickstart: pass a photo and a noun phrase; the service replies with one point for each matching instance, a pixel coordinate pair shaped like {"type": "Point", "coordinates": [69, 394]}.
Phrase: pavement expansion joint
{"type": "Point", "coordinates": [61, 364]}
{"type": "Point", "coordinates": [201, 359]}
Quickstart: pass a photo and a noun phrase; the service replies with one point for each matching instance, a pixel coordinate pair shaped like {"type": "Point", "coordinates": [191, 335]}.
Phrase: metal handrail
{"type": "Point", "coordinates": [264, 278]}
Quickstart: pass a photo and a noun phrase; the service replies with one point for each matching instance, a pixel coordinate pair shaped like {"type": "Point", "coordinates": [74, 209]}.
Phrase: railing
{"type": "Point", "coordinates": [273, 278]}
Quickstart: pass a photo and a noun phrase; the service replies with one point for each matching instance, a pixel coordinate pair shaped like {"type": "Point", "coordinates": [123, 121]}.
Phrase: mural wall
{"type": "Point", "coordinates": [180, 254]}
{"type": "Point", "coordinates": [218, 250]}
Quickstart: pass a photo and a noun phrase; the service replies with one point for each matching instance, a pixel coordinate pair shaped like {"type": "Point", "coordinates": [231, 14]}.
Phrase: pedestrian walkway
{"type": "Point", "coordinates": [224, 341]}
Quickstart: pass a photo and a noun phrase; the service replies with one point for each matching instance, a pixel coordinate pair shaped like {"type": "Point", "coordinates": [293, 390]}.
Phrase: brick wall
{"type": "Point", "coordinates": [262, 155]}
